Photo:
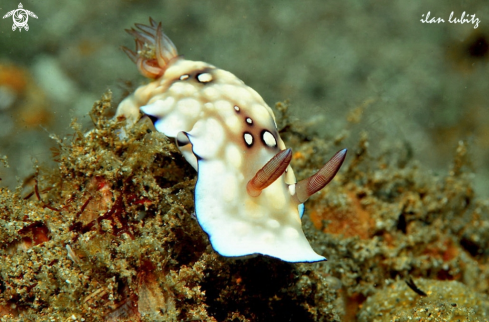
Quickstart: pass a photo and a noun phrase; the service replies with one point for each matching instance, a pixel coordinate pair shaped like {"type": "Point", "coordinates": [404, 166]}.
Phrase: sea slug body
{"type": "Point", "coordinates": [246, 196]}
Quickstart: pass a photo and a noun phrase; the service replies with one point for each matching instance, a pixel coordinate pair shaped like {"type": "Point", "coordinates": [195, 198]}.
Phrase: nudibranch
{"type": "Point", "coordinates": [246, 196]}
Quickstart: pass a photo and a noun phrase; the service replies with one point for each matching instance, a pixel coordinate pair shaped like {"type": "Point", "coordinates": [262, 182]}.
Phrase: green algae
{"type": "Point", "coordinates": [110, 235]}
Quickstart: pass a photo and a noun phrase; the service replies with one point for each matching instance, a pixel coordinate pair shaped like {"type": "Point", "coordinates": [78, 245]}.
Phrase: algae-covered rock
{"type": "Point", "coordinates": [449, 301]}
{"type": "Point", "coordinates": [110, 235]}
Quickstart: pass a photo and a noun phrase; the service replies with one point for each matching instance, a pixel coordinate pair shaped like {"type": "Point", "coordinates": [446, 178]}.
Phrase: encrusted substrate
{"type": "Point", "coordinates": [445, 301]}
{"type": "Point", "coordinates": [110, 235]}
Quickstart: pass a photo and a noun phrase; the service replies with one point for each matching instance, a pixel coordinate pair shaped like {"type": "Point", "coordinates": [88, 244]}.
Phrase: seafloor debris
{"type": "Point", "coordinates": [110, 235]}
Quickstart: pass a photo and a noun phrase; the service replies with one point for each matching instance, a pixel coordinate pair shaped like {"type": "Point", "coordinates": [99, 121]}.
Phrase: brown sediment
{"type": "Point", "coordinates": [442, 301]}
{"type": "Point", "coordinates": [30, 102]}
{"type": "Point", "coordinates": [465, 54]}
{"type": "Point", "coordinates": [109, 235]}
{"type": "Point", "coordinates": [14, 77]}
{"type": "Point", "coordinates": [348, 219]}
